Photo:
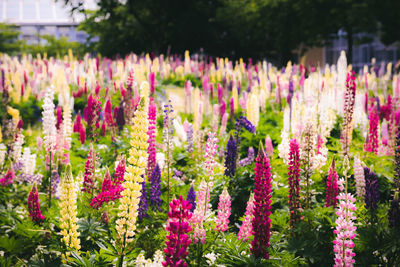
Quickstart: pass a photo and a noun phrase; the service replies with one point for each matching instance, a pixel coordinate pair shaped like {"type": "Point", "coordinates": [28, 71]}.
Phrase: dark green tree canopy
{"type": "Point", "coordinates": [234, 28]}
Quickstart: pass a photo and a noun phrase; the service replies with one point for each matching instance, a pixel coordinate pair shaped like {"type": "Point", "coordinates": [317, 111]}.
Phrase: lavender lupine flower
{"type": "Point", "coordinates": [191, 198]}
{"type": "Point", "coordinates": [189, 140]}
{"type": "Point", "coordinates": [155, 189]}
{"type": "Point", "coordinates": [168, 131]}
{"type": "Point", "coordinates": [55, 182]}
{"type": "Point", "coordinates": [230, 159]}
{"type": "Point", "coordinates": [143, 206]}
{"type": "Point", "coordinates": [371, 189]}
{"type": "Point", "coordinates": [249, 159]}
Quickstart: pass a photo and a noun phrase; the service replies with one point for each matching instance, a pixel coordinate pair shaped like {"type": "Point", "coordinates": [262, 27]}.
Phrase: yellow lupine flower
{"type": "Point", "coordinates": [137, 160]}
{"type": "Point", "coordinates": [14, 113]}
{"type": "Point", "coordinates": [68, 211]}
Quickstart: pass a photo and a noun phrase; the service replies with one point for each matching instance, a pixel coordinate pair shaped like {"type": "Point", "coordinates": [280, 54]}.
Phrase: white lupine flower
{"type": "Point", "coordinates": [211, 258]}
{"type": "Point", "coordinates": [49, 121]}
{"type": "Point", "coordinates": [156, 262]}
{"type": "Point", "coordinates": [29, 161]}
{"type": "Point", "coordinates": [67, 123]}
{"type": "Point", "coordinates": [359, 178]}
{"type": "Point", "coordinates": [3, 152]}
{"type": "Point", "coordinates": [283, 147]}
{"type": "Point", "coordinates": [17, 147]}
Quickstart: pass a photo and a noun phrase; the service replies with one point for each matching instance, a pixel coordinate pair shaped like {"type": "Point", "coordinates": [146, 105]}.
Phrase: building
{"type": "Point", "coordinates": [39, 17]}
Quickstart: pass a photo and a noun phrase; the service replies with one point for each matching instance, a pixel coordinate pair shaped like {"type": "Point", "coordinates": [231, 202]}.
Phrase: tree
{"type": "Point", "coordinates": [9, 38]}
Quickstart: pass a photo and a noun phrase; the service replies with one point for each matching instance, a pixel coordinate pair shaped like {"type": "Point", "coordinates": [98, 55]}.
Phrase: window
{"type": "Point", "coordinates": [29, 10]}
{"type": "Point", "coordinates": [46, 9]}
{"type": "Point", "coordinates": [12, 10]}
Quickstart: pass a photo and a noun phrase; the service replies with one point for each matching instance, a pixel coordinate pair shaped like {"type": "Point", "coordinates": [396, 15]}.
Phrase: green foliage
{"type": "Point", "coordinates": [54, 47]}
{"type": "Point", "coordinates": [9, 42]}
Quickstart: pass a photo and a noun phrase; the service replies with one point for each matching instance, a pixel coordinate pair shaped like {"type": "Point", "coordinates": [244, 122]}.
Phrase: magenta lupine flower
{"type": "Point", "coordinates": [372, 140]}
{"type": "Point", "coordinates": [345, 230]}
{"type": "Point", "coordinates": [246, 229]}
{"type": "Point", "coordinates": [262, 200]}
{"type": "Point", "coordinates": [108, 116]}
{"type": "Point", "coordinates": [210, 151]}
{"type": "Point", "coordinates": [331, 186]}
{"type": "Point", "coordinates": [59, 117]}
{"type": "Point", "coordinates": [8, 178]}
{"type": "Point", "coordinates": [33, 206]}
{"type": "Point", "coordinates": [119, 173]}
{"type": "Point", "coordinates": [89, 178]}
{"type": "Point", "coordinates": [224, 211]}
{"type": "Point", "coordinates": [152, 80]}
{"type": "Point", "coordinates": [151, 149]}
{"type": "Point", "coordinates": [232, 107]}
{"type": "Point", "coordinates": [78, 124]}
{"type": "Point", "coordinates": [106, 196]}
{"type": "Point", "coordinates": [178, 228]}
{"type": "Point", "coordinates": [222, 108]}
{"type": "Point", "coordinates": [110, 190]}
{"type": "Point", "coordinates": [107, 184]}
{"type": "Point", "coordinates": [92, 115]}
{"type": "Point", "coordinates": [82, 134]}
{"type": "Point", "coordinates": [220, 94]}
{"type": "Point", "coordinates": [294, 182]}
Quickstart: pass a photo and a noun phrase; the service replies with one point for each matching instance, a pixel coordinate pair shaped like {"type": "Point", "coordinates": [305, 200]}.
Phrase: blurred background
{"type": "Point", "coordinates": [312, 32]}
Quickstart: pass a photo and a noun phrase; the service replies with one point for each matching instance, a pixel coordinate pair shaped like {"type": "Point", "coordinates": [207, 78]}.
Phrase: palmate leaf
{"type": "Point", "coordinates": [10, 244]}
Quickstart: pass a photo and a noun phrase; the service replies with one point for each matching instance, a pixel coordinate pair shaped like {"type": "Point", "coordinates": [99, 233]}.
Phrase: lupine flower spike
{"type": "Point", "coordinates": [262, 210]}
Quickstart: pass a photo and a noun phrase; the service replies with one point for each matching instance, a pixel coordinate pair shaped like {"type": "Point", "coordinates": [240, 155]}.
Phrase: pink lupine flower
{"type": "Point", "coordinates": [201, 212]}
{"type": "Point", "coordinates": [345, 230]}
{"type": "Point", "coordinates": [269, 148]}
{"type": "Point", "coordinates": [246, 229]}
{"type": "Point", "coordinates": [224, 211]}
{"type": "Point", "coordinates": [210, 151]}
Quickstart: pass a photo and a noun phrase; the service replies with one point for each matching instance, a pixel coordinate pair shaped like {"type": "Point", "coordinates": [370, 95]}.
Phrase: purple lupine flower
{"type": "Point", "coordinates": [230, 159]}
{"type": "Point", "coordinates": [371, 189]}
{"type": "Point", "coordinates": [249, 159]}
{"type": "Point", "coordinates": [143, 206]}
{"type": "Point", "coordinates": [243, 122]}
{"type": "Point", "coordinates": [191, 198]}
{"type": "Point", "coordinates": [155, 189]}
{"type": "Point", "coordinates": [120, 116]}
{"type": "Point", "coordinates": [394, 212]}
